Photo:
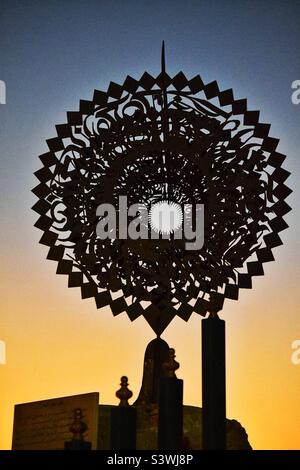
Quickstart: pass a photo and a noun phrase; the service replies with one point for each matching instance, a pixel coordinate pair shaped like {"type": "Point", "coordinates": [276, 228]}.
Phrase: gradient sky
{"type": "Point", "coordinates": [52, 55]}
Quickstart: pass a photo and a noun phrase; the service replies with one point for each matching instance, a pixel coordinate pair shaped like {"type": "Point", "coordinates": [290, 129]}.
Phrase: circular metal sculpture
{"type": "Point", "coordinates": [164, 142]}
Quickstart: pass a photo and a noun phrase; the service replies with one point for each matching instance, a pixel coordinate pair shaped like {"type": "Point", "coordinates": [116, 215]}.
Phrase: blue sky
{"type": "Point", "coordinates": [54, 53]}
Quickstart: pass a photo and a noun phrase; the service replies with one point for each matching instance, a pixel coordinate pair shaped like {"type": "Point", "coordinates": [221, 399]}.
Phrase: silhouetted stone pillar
{"type": "Point", "coordinates": [123, 421]}
{"type": "Point", "coordinates": [170, 417]}
{"type": "Point", "coordinates": [78, 428]}
{"type": "Point", "coordinates": [213, 383]}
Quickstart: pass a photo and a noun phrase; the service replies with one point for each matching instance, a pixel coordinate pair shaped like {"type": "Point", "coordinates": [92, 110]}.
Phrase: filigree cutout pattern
{"type": "Point", "coordinates": [153, 139]}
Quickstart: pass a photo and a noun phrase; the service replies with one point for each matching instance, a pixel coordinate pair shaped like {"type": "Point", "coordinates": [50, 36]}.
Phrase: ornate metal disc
{"type": "Point", "coordinates": [156, 140]}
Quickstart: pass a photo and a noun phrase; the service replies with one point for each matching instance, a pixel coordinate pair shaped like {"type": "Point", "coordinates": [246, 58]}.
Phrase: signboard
{"type": "Point", "coordinates": [45, 425]}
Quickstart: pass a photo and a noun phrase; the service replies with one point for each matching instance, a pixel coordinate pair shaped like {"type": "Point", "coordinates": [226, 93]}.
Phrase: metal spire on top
{"type": "Point", "coordinates": [164, 117]}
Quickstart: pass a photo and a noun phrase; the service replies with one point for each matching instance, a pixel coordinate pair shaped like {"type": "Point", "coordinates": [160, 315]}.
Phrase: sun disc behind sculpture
{"type": "Point", "coordinates": [165, 217]}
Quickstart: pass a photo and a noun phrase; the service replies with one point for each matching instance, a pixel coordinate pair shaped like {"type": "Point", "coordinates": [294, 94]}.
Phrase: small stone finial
{"type": "Point", "coordinates": [124, 394]}
{"type": "Point", "coordinates": [78, 427]}
{"type": "Point", "coordinates": [170, 365]}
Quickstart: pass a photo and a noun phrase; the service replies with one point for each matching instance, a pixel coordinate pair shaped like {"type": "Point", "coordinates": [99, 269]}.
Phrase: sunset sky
{"type": "Point", "coordinates": [52, 55]}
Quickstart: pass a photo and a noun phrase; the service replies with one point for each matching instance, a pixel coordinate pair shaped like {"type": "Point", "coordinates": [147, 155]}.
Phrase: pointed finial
{"type": "Point", "coordinates": [124, 393]}
{"type": "Point", "coordinates": [163, 59]}
{"type": "Point", "coordinates": [78, 427]}
{"type": "Point", "coordinates": [170, 365]}
{"type": "Point", "coordinates": [213, 314]}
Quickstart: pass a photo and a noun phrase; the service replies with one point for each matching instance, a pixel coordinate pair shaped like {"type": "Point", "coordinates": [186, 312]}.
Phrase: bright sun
{"type": "Point", "coordinates": [165, 217]}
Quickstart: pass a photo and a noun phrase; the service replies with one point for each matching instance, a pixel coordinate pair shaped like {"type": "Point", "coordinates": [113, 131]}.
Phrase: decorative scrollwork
{"type": "Point", "coordinates": [158, 139]}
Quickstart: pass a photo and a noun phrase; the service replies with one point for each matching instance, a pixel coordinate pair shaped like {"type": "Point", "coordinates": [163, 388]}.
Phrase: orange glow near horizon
{"type": "Point", "coordinates": [59, 345]}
